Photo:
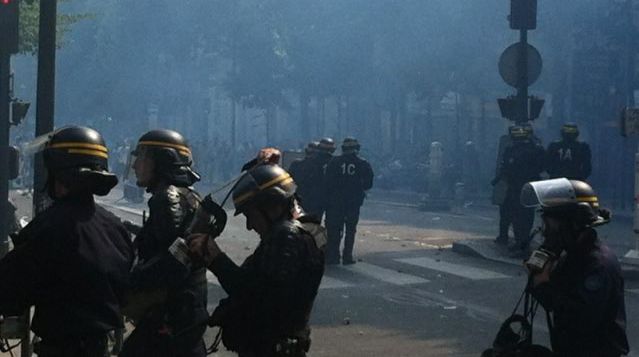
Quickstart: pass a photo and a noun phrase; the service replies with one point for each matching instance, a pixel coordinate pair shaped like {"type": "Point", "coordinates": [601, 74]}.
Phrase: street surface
{"type": "Point", "coordinates": [410, 294]}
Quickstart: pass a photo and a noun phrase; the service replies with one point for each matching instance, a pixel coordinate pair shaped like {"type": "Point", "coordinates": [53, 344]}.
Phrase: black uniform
{"type": "Point", "coordinates": [505, 218]}
{"type": "Point", "coordinates": [72, 263]}
{"type": "Point", "coordinates": [176, 326]}
{"type": "Point", "coordinates": [348, 177]}
{"type": "Point", "coordinates": [313, 198]}
{"type": "Point", "coordinates": [522, 162]}
{"type": "Point", "coordinates": [569, 159]}
{"type": "Point", "coordinates": [586, 296]}
{"type": "Point", "coordinates": [302, 170]}
{"type": "Point", "coordinates": [271, 294]}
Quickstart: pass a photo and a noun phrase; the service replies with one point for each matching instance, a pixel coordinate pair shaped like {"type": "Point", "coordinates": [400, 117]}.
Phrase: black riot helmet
{"type": "Point", "coordinates": [568, 200]}
{"type": "Point", "coordinates": [350, 145]}
{"type": "Point", "coordinates": [263, 186]}
{"type": "Point", "coordinates": [171, 156]}
{"type": "Point", "coordinates": [570, 131]}
{"type": "Point", "coordinates": [78, 157]}
{"type": "Point", "coordinates": [327, 145]}
{"type": "Point", "coordinates": [311, 148]}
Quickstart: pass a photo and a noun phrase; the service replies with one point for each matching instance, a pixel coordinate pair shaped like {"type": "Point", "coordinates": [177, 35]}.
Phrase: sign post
{"type": "Point", "coordinates": [520, 65]}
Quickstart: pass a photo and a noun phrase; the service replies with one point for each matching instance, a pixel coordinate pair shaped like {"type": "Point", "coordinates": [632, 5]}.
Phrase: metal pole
{"type": "Point", "coordinates": [46, 92]}
{"type": "Point", "coordinates": [522, 90]}
{"type": "Point", "coordinates": [5, 74]}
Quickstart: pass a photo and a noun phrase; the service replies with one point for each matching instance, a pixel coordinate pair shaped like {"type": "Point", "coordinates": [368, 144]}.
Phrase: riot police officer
{"type": "Point", "coordinates": [170, 296]}
{"type": "Point", "coordinates": [301, 170]}
{"type": "Point", "coordinates": [271, 294]}
{"type": "Point", "coordinates": [569, 157]}
{"type": "Point", "coordinates": [522, 162]}
{"type": "Point", "coordinates": [500, 187]}
{"type": "Point", "coordinates": [348, 177]}
{"type": "Point", "coordinates": [72, 261]}
{"type": "Point", "coordinates": [578, 278]}
{"type": "Point", "coordinates": [315, 201]}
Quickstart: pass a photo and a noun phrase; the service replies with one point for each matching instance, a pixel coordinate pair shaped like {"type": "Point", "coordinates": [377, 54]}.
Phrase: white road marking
{"type": "Point", "coordinates": [463, 271]}
{"type": "Point", "coordinates": [332, 283]}
{"type": "Point", "coordinates": [327, 282]}
{"type": "Point", "coordinates": [386, 275]}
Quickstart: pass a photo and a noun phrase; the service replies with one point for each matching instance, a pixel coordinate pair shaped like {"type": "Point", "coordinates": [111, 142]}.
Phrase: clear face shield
{"type": "Point", "coordinates": [548, 193]}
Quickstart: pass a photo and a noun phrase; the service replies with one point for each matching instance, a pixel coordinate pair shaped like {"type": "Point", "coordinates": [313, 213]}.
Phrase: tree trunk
{"type": "Point", "coordinates": [393, 127]}
{"type": "Point", "coordinates": [305, 125]}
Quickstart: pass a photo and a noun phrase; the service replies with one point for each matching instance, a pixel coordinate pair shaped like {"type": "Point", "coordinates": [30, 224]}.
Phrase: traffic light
{"type": "Point", "coordinates": [523, 14]}
{"type": "Point", "coordinates": [9, 25]}
{"type": "Point", "coordinates": [19, 111]}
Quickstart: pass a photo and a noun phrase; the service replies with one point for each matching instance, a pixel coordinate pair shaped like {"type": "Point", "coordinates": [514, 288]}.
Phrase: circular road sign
{"type": "Point", "coordinates": [509, 64]}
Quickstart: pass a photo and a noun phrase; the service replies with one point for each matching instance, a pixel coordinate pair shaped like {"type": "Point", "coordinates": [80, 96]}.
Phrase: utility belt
{"type": "Point", "coordinates": [93, 346]}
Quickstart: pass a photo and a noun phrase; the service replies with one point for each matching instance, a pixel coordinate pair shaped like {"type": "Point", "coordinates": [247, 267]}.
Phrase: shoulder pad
{"type": "Point", "coordinates": [169, 193]}
{"type": "Point", "coordinates": [285, 227]}
{"type": "Point", "coordinates": [191, 196]}
{"type": "Point", "coordinates": [317, 231]}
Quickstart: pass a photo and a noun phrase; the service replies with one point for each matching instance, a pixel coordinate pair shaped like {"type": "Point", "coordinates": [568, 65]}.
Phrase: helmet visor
{"type": "Point", "coordinates": [38, 144]}
{"type": "Point", "coordinates": [548, 193]}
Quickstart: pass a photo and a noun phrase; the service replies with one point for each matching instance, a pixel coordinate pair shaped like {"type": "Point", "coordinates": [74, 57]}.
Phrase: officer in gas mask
{"type": "Point", "coordinates": [170, 295]}
{"type": "Point", "coordinates": [569, 157]}
{"type": "Point", "coordinates": [575, 277]}
{"type": "Point", "coordinates": [72, 260]}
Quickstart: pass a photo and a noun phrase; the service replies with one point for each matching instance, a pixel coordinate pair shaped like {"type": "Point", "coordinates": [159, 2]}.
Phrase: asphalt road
{"type": "Point", "coordinates": [410, 294]}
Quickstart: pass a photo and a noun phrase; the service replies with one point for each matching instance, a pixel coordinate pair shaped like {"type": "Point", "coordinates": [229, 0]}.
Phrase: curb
{"type": "Point", "coordinates": [485, 249]}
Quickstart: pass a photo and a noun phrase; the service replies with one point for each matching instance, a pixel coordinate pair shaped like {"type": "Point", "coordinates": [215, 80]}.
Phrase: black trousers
{"type": "Point", "coordinates": [505, 220]}
{"type": "Point", "coordinates": [522, 218]}
{"type": "Point", "coordinates": [341, 222]}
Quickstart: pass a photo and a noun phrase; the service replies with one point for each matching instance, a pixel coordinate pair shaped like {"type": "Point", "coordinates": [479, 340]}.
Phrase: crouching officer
{"type": "Point", "coordinates": [574, 275]}
{"type": "Point", "coordinates": [169, 303]}
{"type": "Point", "coordinates": [271, 294]}
{"type": "Point", "coordinates": [72, 261]}
{"type": "Point", "coordinates": [569, 157]}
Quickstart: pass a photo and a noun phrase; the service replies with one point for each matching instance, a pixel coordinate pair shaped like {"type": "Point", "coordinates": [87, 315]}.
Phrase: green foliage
{"type": "Point", "coordinates": [29, 17]}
